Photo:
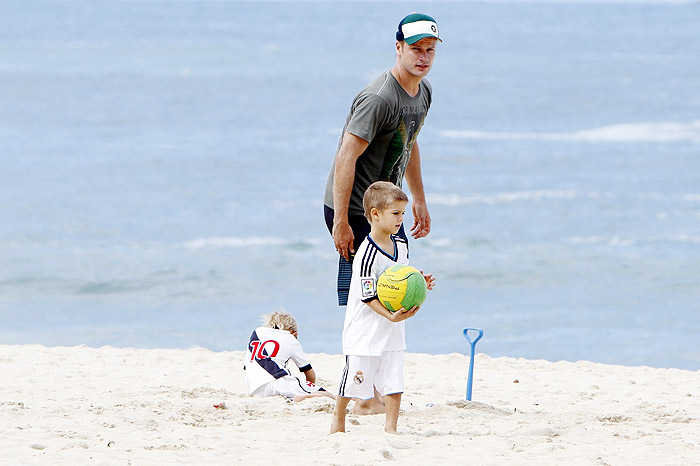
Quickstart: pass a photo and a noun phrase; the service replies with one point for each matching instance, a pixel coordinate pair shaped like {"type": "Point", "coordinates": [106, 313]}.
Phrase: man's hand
{"type": "Point", "coordinates": [344, 239]}
{"type": "Point", "coordinates": [421, 220]}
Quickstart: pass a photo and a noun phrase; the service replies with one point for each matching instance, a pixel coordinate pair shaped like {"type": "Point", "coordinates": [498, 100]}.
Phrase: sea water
{"type": "Point", "coordinates": [162, 165]}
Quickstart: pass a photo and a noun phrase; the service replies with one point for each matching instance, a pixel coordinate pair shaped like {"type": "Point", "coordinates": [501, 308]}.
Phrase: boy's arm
{"type": "Point", "coordinates": [398, 316]}
{"type": "Point", "coordinates": [310, 376]}
{"type": "Point", "coordinates": [299, 357]}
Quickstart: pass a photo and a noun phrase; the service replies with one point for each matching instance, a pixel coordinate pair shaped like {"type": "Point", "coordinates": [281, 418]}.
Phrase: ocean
{"type": "Point", "coordinates": [163, 166]}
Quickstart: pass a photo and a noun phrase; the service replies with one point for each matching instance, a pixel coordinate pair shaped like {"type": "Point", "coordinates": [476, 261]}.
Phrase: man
{"type": "Point", "coordinates": [379, 143]}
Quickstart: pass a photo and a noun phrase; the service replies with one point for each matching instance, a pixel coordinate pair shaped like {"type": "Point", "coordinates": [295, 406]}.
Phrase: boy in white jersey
{"type": "Point", "coordinates": [373, 337]}
{"type": "Point", "coordinates": [269, 350]}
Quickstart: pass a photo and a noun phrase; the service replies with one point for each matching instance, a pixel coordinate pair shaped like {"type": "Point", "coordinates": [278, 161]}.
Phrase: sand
{"type": "Point", "coordinates": [123, 406]}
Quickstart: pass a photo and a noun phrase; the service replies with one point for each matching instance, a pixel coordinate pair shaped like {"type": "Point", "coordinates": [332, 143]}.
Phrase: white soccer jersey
{"type": "Point", "coordinates": [267, 355]}
{"type": "Point", "coordinates": [366, 333]}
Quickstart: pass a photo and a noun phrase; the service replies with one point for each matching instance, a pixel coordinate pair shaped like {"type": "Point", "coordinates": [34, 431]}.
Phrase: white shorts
{"type": "Point", "coordinates": [288, 386]}
{"type": "Point", "coordinates": [363, 373]}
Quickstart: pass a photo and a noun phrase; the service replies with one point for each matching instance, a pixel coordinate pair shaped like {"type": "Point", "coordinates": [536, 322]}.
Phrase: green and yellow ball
{"type": "Point", "coordinates": [401, 286]}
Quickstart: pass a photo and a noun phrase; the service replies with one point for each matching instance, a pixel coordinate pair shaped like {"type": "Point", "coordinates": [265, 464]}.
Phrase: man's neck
{"type": "Point", "coordinates": [410, 83]}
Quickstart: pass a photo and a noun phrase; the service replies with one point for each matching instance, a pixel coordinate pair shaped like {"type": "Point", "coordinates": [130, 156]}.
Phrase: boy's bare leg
{"type": "Point", "coordinates": [341, 408]}
{"type": "Point", "coordinates": [392, 403]}
{"type": "Point", "coordinates": [372, 406]}
{"type": "Point", "coordinates": [312, 395]}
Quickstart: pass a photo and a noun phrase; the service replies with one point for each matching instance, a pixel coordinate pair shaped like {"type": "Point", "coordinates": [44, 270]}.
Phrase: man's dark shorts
{"type": "Point", "coordinates": [360, 228]}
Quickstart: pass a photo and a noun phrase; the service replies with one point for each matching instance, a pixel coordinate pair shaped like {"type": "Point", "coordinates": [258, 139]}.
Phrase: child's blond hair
{"type": "Point", "coordinates": [379, 195]}
{"type": "Point", "coordinates": [281, 320]}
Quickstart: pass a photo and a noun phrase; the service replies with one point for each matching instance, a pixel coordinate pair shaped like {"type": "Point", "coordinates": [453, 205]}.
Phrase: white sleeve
{"type": "Point", "coordinates": [366, 274]}
{"type": "Point", "coordinates": [297, 354]}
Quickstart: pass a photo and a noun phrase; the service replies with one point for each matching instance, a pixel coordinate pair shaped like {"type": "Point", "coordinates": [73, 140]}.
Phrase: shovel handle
{"type": "Point", "coordinates": [472, 341]}
{"type": "Point", "coordinates": [472, 345]}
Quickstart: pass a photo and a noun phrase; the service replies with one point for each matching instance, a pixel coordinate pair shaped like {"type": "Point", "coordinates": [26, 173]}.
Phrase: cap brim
{"type": "Point", "coordinates": [413, 39]}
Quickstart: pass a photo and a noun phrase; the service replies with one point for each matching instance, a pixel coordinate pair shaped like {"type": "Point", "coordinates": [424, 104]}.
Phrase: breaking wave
{"type": "Point", "coordinates": [235, 242]}
{"type": "Point", "coordinates": [631, 132]}
{"type": "Point", "coordinates": [500, 198]}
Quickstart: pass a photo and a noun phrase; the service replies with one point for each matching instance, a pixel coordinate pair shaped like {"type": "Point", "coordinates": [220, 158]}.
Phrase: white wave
{"type": "Point", "coordinates": [499, 198]}
{"type": "Point", "coordinates": [582, 240]}
{"type": "Point", "coordinates": [610, 241]}
{"type": "Point", "coordinates": [631, 132]}
{"type": "Point", "coordinates": [402, 1]}
{"type": "Point", "coordinates": [619, 241]}
{"type": "Point", "coordinates": [234, 242]}
{"type": "Point", "coordinates": [437, 242]}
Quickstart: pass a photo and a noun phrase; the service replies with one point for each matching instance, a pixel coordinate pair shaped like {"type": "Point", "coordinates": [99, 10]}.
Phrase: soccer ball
{"type": "Point", "coordinates": [401, 286]}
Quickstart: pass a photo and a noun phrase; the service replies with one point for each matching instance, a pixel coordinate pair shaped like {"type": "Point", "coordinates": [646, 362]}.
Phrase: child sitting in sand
{"type": "Point", "coordinates": [269, 349]}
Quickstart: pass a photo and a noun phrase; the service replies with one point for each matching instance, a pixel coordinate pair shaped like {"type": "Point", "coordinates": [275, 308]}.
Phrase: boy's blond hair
{"type": "Point", "coordinates": [281, 320]}
{"type": "Point", "coordinates": [379, 195]}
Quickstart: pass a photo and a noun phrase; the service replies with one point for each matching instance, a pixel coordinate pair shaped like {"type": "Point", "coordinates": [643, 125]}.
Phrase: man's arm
{"type": "Point", "coordinates": [343, 179]}
{"type": "Point", "coordinates": [414, 179]}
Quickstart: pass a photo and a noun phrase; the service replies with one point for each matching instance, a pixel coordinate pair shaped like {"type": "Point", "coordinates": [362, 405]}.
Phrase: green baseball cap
{"type": "Point", "coordinates": [417, 26]}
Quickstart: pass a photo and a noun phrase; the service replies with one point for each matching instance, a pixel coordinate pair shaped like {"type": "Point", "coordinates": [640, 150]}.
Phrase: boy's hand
{"type": "Point", "coordinates": [429, 280]}
{"type": "Point", "coordinates": [403, 314]}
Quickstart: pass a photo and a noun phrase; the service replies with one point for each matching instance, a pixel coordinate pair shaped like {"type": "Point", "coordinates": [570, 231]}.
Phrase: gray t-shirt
{"type": "Point", "coordinates": [389, 119]}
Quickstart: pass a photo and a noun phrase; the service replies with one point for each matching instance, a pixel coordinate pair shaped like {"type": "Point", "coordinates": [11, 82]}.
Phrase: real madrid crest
{"type": "Point", "coordinates": [359, 377]}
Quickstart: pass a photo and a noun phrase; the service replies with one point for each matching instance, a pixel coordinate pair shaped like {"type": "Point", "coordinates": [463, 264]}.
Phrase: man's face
{"type": "Point", "coordinates": [417, 58]}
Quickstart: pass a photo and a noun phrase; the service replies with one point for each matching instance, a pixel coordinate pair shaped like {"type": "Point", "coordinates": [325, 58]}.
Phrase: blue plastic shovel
{"type": "Point", "coordinates": [472, 344]}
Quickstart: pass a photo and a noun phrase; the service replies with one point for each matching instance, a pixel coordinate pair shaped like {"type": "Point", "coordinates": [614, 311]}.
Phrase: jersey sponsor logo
{"type": "Point", "coordinates": [257, 350]}
{"type": "Point", "coordinates": [359, 377]}
{"type": "Point", "coordinates": [389, 286]}
{"type": "Point", "coordinates": [368, 287]}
